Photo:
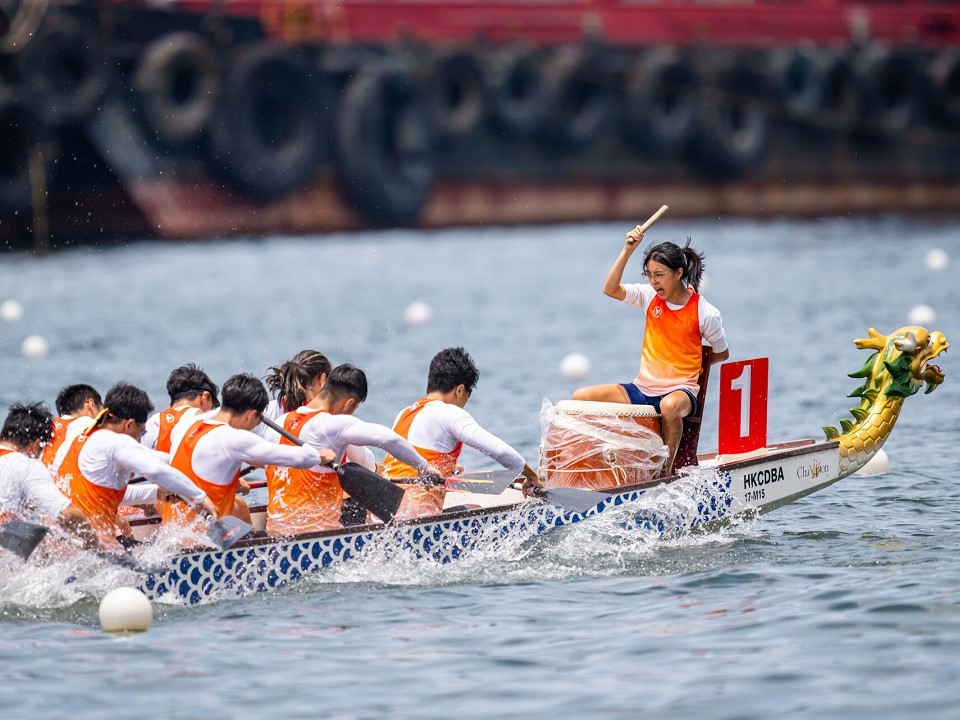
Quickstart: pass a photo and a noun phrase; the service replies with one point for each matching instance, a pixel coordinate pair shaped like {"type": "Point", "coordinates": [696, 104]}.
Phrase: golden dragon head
{"type": "Point", "coordinates": [898, 368]}
{"type": "Point", "coordinates": [905, 356]}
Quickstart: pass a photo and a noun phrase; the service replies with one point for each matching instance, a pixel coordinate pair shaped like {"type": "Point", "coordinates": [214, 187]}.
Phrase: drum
{"type": "Point", "coordinates": [599, 445]}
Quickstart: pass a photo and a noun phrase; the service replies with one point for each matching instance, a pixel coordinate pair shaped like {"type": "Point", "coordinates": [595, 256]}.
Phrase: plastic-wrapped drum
{"type": "Point", "coordinates": [600, 445]}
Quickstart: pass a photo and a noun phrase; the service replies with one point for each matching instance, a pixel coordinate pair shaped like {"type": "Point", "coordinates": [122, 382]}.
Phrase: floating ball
{"type": "Point", "coordinates": [11, 310]}
{"type": "Point", "coordinates": [35, 346]}
{"type": "Point", "coordinates": [922, 315]}
{"type": "Point", "coordinates": [877, 465]}
{"type": "Point", "coordinates": [125, 609]}
{"type": "Point", "coordinates": [418, 313]}
{"type": "Point", "coordinates": [936, 259]}
{"type": "Point", "coordinates": [575, 366]}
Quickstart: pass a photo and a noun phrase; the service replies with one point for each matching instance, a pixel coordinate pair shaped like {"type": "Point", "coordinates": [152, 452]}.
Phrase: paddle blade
{"type": "Point", "coordinates": [484, 482]}
{"type": "Point", "coordinates": [21, 537]}
{"type": "Point", "coordinates": [226, 531]}
{"type": "Point", "coordinates": [573, 499]}
{"type": "Point", "coordinates": [379, 496]}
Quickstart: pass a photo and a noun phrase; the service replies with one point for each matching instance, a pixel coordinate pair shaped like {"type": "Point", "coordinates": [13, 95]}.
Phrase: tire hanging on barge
{"type": "Point", "coordinates": [579, 98]}
{"type": "Point", "coordinates": [797, 79]}
{"type": "Point", "coordinates": [384, 144]}
{"type": "Point", "coordinates": [890, 89]}
{"type": "Point", "coordinates": [733, 124]}
{"type": "Point", "coordinates": [177, 83]}
{"type": "Point", "coordinates": [516, 90]}
{"type": "Point", "coordinates": [456, 96]}
{"type": "Point", "coordinates": [64, 70]}
{"type": "Point", "coordinates": [660, 101]}
{"type": "Point", "coordinates": [944, 86]}
{"type": "Point", "coordinates": [270, 130]}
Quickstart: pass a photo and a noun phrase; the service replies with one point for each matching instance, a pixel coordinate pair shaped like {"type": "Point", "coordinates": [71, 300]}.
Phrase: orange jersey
{"type": "Point", "coordinates": [60, 425]}
{"type": "Point", "coordinates": [419, 500]}
{"type": "Point", "coordinates": [672, 347]}
{"type": "Point", "coordinates": [168, 420]}
{"type": "Point", "coordinates": [98, 504]}
{"type": "Point", "coordinates": [445, 462]}
{"type": "Point", "coordinates": [222, 496]}
{"type": "Point", "coordinates": [301, 501]}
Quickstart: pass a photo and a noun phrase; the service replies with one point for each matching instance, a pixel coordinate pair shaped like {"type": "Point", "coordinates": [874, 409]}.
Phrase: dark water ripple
{"type": "Point", "coordinates": [843, 605]}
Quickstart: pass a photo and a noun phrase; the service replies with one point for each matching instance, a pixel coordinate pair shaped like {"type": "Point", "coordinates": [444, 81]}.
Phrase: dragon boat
{"type": "Point", "coordinates": [620, 452]}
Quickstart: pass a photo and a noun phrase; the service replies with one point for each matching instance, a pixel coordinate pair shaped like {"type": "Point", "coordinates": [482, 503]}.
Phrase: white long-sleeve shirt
{"type": "Point", "coordinates": [441, 426]}
{"type": "Point", "coordinates": [219, 454]}
{"type": "Point", "coordinates": [108, 459]}
{"type": "Point", "coordinates": [27, 488]}
{"type": "Point", "coordinates": [345, 434]}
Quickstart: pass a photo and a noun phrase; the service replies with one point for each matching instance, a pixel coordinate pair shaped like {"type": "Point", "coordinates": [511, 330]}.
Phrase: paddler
{"type": "Point", "coordinates": [101, 460]}
{"type": "Point", "coordinates": [27, 490]}
{"type": "Point", "coordinates": [77, 406]}
{"type": "Point", "coordinates": [311, 500]}
{"type": "Point", "coordinates": [438, 426]}
{"type": "Point", "coordinates": [294, 383]}
{"type": "Point", "coordinates": [192, 393]}
{"type": "Point", "coordinates": [212, 450]}
{"type": "Point", "coordinates": [678, 323]}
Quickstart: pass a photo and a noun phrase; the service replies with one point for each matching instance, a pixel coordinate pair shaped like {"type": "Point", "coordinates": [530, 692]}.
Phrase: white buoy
{"type": "Point", "coordinates": [936, 259]}
{"type": "Point", "coordinates": [35, 346]}
{"type": "Point", "coordinates": [877, 465]}
{"type": "Point", "coordinates": [922, 315]}
{"type": "Point", "coordinates": [11, 310]}
{"type": "Point", "coordinates": [575, 366]}
{"type": "Point", "coordinates": [125, 609]}
{"type": "Point", "coordinates": [418, 313]}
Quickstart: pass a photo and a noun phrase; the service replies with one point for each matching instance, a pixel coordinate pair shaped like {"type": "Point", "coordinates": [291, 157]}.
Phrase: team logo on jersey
{"type": "Point", "coordinates": [657, 311]}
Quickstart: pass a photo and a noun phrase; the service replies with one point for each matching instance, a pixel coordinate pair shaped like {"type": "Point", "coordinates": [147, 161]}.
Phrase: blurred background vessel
{"type": "Point", "coordinates": [199, 118]}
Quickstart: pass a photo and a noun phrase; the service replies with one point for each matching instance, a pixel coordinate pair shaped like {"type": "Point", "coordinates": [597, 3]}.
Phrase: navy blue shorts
{"type": "Point", "coordinates": [638, 398]}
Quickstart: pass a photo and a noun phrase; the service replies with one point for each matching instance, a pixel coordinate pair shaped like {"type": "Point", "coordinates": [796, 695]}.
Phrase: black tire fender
{"type": "Point", "coordinates": [516, 90]}
{"type": "Point", "coordinates": [64, 69]}
{"type": "Point", "coordinates": [734, 123]}
{"type": "Point", "coordinates": [890, 87]}
{"type": "Point", "coordinates": [661, 92]}
{"type": "Point", "coordinates": [177, 84]}
{"type": "Point", "coordinates": [455, 93]}
{"type": "Point", "coordinates": [944, 82]}
{"type": "Point", "coordinates": [384, 146]}
{"type": "Point", "coordinates": [579, 97]}
{"type": "Point", "coordinates": [270, 131]}
{"type": "Point", "coordinates": [797, 77]}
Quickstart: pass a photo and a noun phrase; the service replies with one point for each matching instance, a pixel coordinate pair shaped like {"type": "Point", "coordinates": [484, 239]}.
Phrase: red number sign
{"type": "Point", "coordinates": [743, 406]}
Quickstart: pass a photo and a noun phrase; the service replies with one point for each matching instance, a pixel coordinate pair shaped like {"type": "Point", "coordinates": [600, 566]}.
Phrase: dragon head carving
{"type": "Point", "coordinates": [905, 354]}
{"type": "Point", "coordinates": [898, 368]}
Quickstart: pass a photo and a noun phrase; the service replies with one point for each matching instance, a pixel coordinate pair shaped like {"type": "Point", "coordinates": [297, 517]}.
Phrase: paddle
{"type": "Point", "coordinates": [379, 496]}
{"type": "Point", "coordinates": [573, 499]}
{"type": "Point", "coordinates": [226, 531]}
{"type": "Point", "coordinates": [482, 482]}
{"type": "Point", "coordinates": [21, 538]}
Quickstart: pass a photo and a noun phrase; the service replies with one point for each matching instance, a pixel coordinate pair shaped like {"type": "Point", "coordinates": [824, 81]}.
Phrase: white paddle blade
{"type": "Point", "coordinates": [483, 482]}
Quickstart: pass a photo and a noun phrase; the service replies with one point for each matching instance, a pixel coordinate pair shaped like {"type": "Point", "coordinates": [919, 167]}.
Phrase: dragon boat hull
{"type": "Point", "coordinates": [726, 488]}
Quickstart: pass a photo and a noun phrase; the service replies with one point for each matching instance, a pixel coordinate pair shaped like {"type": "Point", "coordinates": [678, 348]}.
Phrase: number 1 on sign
{"type": "Point", "coordinates": [743, 406]}
{"type": "Point", "coordinates": [741, 383]}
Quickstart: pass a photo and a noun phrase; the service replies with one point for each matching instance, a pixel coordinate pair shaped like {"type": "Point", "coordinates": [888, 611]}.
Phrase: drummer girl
{"type": "Point", "coordinates": [678, 322]}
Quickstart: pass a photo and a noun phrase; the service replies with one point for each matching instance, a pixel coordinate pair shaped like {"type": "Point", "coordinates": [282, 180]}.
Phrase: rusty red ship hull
{"type": "Point", "coordinates": [207, 119]}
